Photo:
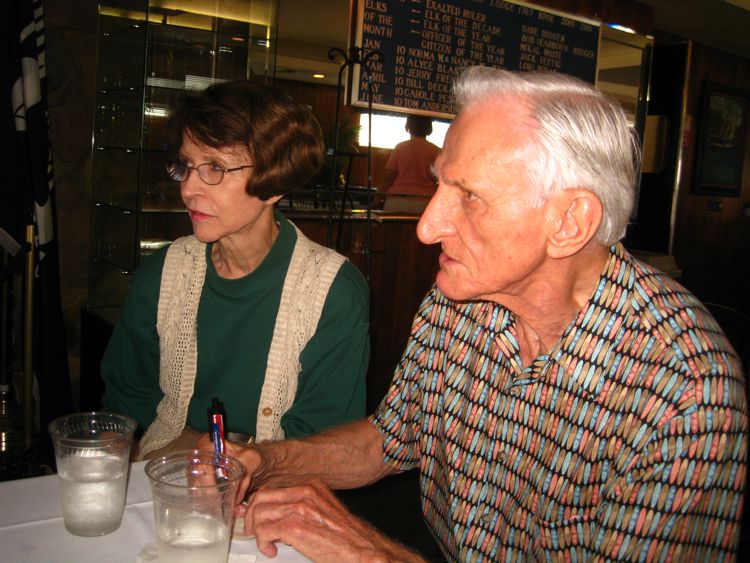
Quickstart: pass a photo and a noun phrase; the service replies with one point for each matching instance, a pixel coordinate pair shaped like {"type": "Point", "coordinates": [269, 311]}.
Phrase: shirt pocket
{"type": "Point", "coordinates": [556, 540]}
{"type": "Point", "coordinates": [566, 517]}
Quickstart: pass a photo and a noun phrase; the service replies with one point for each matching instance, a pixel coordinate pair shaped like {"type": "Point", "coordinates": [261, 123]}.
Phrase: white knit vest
{"type": "Point", "coordinates": [312, 270]}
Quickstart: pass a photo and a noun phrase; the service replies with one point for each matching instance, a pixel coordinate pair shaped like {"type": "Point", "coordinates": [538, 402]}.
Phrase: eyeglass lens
{"type": "Point", "coordinates": [208, 172]}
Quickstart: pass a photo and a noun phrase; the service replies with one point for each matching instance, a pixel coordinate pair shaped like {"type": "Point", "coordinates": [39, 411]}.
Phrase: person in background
{"type": "Point", "coordinates": [247, 309]}
{"type": "Point", "coordinates": [407, 182]}
{"type": "Point", "coordinates": [562, 400]}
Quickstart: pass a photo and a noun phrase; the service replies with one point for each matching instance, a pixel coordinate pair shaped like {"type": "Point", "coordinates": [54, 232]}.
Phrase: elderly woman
{"type": "Point", "coordinates": [247, 309]}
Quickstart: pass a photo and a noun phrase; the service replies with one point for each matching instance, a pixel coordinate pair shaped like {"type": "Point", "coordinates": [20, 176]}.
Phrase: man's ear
{"type": "Point", "coordinates": [575, 216]}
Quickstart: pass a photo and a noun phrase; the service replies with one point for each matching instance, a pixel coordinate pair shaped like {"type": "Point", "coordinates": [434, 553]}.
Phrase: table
{"type": "Point", "coordinates": [32, 529]}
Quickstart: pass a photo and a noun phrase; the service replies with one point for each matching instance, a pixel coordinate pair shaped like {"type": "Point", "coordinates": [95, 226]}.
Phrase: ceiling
{"type": "Point", "coordinates": [724, 24]}
{"type": "Point", "coordinates": [307, 30]}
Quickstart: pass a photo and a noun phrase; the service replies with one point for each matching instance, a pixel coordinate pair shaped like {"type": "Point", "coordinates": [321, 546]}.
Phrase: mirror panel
{"type": "Point", "coordinates": [624, 69]}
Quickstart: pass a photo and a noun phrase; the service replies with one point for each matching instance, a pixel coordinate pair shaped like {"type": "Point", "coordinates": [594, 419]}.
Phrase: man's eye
{"type": "Point", "coordinates": [469, 195]}
{"type": "Point", "coordinates": [216, 168]}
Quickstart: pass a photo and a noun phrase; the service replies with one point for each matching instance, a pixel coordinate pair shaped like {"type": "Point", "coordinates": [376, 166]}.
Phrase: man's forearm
{"type": "Point", "coordinates": [344, 457]}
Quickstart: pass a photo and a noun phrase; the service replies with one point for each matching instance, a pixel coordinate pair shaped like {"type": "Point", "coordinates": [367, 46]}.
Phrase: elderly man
{"type": "Point", "coordinates": [561, 399]}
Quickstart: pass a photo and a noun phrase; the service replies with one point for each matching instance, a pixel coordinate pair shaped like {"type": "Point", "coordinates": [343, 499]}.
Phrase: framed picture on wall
{"type": "Point", "coordinates": [721, 140]}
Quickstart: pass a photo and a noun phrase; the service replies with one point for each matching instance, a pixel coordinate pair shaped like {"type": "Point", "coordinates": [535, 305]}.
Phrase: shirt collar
{"type": "Point", "coordinates": [612, 306]}
{"type": "Point", "coordinates": [613, 295]}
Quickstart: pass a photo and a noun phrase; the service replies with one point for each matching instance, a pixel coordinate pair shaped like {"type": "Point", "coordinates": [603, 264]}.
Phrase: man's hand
{"type": "Point", "coordinates": [312, 520]}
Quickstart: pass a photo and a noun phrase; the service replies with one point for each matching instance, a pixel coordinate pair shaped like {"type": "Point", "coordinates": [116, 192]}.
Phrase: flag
{"type": "Point", "coordinates": [28, 197]}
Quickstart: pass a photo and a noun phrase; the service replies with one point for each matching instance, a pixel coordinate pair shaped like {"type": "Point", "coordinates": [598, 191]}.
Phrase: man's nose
{"type": "Point", "coordinates": [437, 219]}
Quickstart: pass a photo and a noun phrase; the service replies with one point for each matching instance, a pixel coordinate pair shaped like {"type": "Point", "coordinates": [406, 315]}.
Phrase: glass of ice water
{"type": "Point", "coordinates": [194, 500]}
{"type": "Point", "coordinates": [92, 451]}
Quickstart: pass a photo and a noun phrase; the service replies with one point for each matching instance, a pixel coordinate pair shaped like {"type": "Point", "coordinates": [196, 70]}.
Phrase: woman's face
{"type": "Point", "coordinates": [224, 210]}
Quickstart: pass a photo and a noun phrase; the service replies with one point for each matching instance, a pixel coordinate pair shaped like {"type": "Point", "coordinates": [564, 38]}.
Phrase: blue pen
{"type": "Point", "coordinates": [216, 413]}
{"type": "Point", "coordinates": [217, 439]}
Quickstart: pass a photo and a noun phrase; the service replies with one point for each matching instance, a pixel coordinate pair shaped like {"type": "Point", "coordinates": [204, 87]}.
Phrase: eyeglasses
{"type": "Point", "coordinates": [211, 173]}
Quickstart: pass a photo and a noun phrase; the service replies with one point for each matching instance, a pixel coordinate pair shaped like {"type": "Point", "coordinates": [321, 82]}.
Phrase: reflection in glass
{"type": "Point", "coordinates": [624, 67]}
{"type": "Point", "coordinates": [624, 72]}
{"type": "Point", "coordinates": [149, 52]}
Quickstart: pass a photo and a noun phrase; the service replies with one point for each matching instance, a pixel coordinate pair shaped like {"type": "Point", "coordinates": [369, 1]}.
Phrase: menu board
{"type": "Point", "coordinates": [425, 43]}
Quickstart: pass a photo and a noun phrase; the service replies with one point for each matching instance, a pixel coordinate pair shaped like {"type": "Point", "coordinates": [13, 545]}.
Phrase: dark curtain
{"type": "Point", "coordinates": [27, 197]}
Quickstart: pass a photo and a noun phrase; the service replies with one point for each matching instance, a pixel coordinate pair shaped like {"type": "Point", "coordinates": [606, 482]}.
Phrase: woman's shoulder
{"type": "Point", "coordinates": [350, 278]}
{"type": "Point", "coordinates": [347, 304]}
{"type": "Point", "coordinates": [429, 146]}
{"type": "Point", "coordinates": [349, 290]}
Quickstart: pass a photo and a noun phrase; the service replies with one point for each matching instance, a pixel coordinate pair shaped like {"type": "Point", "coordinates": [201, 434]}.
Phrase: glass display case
{"type": "Point", "coordinates": [149, 52]}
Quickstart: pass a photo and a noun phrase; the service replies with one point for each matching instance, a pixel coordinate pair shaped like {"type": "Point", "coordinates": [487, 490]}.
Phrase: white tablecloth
{"type": "Point", "coordinates": [32, 529]}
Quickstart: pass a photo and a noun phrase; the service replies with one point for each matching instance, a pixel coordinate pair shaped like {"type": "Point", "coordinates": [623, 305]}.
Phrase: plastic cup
{"type": "Point", "coordinates": [194, 499]}
{"type": "Point", "coordinates": [92, 450]}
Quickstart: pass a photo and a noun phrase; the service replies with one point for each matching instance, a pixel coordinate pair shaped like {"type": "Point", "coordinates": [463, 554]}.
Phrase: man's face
{"type": "Point", "coordinates": [493, 240]}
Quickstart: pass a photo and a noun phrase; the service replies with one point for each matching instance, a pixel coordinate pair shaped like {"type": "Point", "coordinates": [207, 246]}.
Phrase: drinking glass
{"type": "Point", "coordinates": [194, 500]}
{"type": "Point", "coordinates": [92, 451]}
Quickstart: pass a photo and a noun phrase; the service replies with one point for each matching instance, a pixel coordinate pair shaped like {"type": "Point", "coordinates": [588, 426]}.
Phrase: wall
{"type": "Point", "coordinates": [713, 247]}
{"type": "Point", "coordinates": [70, 29]}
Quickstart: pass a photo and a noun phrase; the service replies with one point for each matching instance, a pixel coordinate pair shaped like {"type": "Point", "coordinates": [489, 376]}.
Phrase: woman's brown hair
{"type": "Point", "coordinates": [282, 137]}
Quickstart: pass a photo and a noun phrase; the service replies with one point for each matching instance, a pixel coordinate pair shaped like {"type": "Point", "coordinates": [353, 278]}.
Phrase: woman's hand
{"type": "Point", "coordinates": [312, 520]}
{"type": "Point", "coordinates": [250, 457]}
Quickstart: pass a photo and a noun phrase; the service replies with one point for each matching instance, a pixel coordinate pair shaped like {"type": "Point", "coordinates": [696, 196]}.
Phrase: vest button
{"type": "Point", "coordinates": [267, 411]}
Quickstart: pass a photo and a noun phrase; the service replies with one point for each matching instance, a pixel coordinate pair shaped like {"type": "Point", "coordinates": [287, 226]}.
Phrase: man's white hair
{"type": "Point", "coordinates": [582, 139]}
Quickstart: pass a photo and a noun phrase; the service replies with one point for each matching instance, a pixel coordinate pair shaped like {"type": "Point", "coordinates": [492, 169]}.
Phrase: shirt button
{"type": "Point", "coordinates": [502, 456]}
{"type": "Point", "coordinates": [515, 391]}
{"type": "Point", "coordinates": [486, 519]}
{"type": "Point", "coordinates": [267, 411]}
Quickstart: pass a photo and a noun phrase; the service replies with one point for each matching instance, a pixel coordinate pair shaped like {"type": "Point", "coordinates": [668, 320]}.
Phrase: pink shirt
{"type": "Point", "coordinates": [412, 161]}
